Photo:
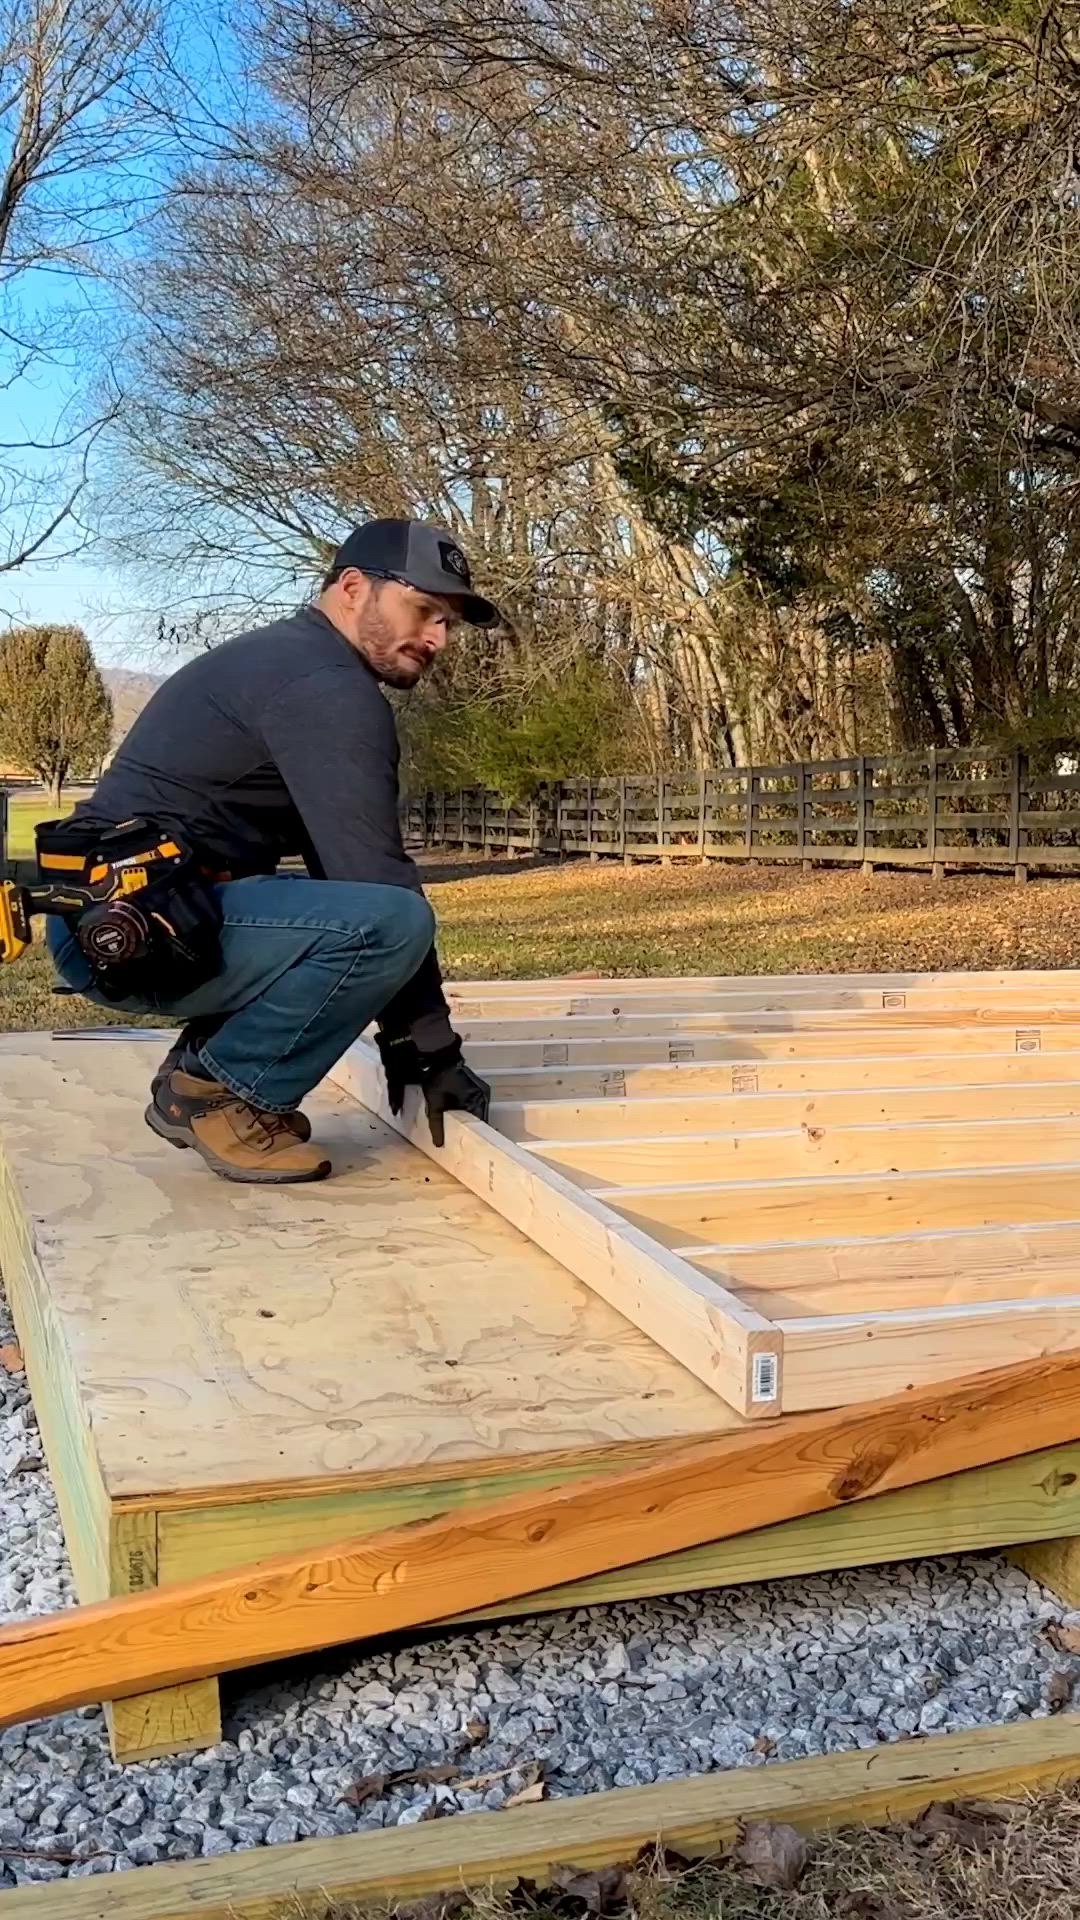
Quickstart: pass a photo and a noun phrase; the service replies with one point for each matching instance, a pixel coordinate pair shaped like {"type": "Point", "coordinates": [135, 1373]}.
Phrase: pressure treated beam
{"type": "Point", "coordinates": [689, 1314]}
{"type": "Point", "coordinates": [697, 1818]}
{"type": "Point", "coordinates": [392, 1581]}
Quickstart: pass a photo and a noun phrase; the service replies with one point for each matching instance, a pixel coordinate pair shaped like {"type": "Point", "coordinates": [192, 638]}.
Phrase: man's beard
{"type": "Point", "coordinates": [382, 653]}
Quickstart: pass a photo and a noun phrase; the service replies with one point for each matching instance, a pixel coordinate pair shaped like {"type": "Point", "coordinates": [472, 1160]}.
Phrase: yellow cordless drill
{"type": "Point", "coordinates": [97, 875]}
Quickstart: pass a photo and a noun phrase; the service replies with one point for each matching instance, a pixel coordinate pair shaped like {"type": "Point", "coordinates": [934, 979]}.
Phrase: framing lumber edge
{"type": "Point", "coordinates": [348, 1591]}
{"type": "Point", "coordinates": [698, 1817]}
{"type": "Point", "coordinates": [693, 1317]}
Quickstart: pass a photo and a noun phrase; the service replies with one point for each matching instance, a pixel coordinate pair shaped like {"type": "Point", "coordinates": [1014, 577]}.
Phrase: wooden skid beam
{"type": "Point", "coordinates": [690, 1315]}
{"type": "Point", "coordinates": [391, 1581]}
{"type": "Point", "coordinates": [697, 1817]}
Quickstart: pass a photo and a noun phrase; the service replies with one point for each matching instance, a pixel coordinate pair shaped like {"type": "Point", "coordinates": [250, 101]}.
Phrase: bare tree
{"type": "Point", "coordinates": [75, 123]}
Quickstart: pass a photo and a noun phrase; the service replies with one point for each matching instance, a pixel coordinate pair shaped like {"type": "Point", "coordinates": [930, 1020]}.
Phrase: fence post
{"type": "Point", "coordinates": [661, 820]}
{"type": "Point", "coordinates": [702, 790]}
{"type": "Point", "coordinates": [1017, 796]}
{"type": "Point", "coordinates": [750, 784]}
{"type": "Point", "coordinates": [860, 844]}
{"type": "Point", "coordinates": [937, 867]}
{"type": "Point", "coordinates": [800, 812]}
{"type": "Point", "coordinates": [622, 821]}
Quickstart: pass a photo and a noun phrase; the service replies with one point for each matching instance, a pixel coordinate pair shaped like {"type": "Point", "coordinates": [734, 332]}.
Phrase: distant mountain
{"type": "Point", "coordinates": [130, 693]}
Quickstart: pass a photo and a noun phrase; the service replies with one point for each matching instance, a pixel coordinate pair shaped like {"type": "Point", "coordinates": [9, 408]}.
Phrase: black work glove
{"type": "Point", "coordinates": [451, 1087]}
{"type": "Point", "coordinates": [402, 1066]}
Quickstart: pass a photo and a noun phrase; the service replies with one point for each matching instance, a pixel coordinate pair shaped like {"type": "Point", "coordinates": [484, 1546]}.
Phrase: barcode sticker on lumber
{"type": "Point", "coordinates": [555, 1056]}
{"type": "Point", "coordinates": [894, 1000]}
{"type": "Point", "coordinates": [744, 1080]}
{"type": "Point", "coordinates": [766, 1377]}
{"type": "Point", "coordinates": [580, 1006]}
{"type": "Point", "coordinates": [1028, 1040]}
{"type": "Point", "coordinates": [613, 1086]}
{"type": "Point", "coordinates": [468, 1010]}
{"type": "Point", "coordinates": [679, 1050]}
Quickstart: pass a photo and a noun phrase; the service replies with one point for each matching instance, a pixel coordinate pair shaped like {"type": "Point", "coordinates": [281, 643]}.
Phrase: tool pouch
{"type": "Point", "coordinates": [157, 945]}
{"type": "Point", "coordinates": [155, 940]}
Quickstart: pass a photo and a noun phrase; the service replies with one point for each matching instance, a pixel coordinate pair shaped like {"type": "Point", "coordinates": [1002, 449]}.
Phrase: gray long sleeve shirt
{"type": "Point", "coordinates": [278, 743]}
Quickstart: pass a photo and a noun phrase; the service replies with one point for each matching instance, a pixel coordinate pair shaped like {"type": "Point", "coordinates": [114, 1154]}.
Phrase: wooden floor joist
{"type": "Point", "coordinates": [380, 1585]}
{"type": "Point", "coordinates": [697, 1818]}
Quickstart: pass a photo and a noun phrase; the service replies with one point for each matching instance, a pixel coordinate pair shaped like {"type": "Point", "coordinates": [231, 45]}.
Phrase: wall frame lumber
{"type": "Point", "coordinates": [690, 1315]}
{"type": "Point", "coordinates": [762, 1212]}
{"type": "Point", "coordinates": [1032, 1058]}
{"type": "Point", "coordinates": [891, 1350]}
{"type": "Point", "coordinates": [698, 1817]}
{"type": "Point", "coordinates": [631, 1023]}
{"type": "Point", "coordinates": [400, 1579]}
{"type": "Point", "coordinates": [965, 1267]}
{"type": "Point", "coordinates": [538, 1123]}
{"type": "Point", "coordinates": [762, 1041]}
{"type": "Point", "coordinates": [889, 1148]}
{"type": "Point", "coordinates": [591, 983]}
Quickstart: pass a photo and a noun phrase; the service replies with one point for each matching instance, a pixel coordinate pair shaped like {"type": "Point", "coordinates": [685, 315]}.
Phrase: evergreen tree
{"type": "Point", "coordinates": [55, 711]}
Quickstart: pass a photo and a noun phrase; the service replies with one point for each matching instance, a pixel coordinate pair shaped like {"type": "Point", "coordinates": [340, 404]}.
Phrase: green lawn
{"type": "Point", "coordinates": [24, 812]}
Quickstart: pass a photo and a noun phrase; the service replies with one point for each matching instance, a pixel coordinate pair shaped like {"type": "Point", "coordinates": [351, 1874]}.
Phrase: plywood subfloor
{"type": "Point", "coordinates": [383, 1324]}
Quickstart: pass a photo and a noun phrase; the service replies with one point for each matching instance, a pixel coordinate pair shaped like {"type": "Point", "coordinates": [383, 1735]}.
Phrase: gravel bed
{"type": "Point", "coordinates": [606, 1697]}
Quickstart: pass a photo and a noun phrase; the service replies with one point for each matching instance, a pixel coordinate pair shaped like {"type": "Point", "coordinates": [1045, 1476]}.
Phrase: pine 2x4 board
{"type": "Point", "coordinates": [808, 1190]}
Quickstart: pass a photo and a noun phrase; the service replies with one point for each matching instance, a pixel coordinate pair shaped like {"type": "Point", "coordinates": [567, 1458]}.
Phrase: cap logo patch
{"type": "Point", "coordinates": [454, 560]}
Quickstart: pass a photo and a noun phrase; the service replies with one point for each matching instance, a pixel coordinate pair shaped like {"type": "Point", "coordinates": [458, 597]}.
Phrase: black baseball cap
{"type": "Point", "coordinates": [422, 556]}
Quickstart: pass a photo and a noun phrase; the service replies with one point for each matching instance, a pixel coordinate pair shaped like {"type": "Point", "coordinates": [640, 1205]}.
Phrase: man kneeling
{"type": "Point", "coordinates": [281, 743]}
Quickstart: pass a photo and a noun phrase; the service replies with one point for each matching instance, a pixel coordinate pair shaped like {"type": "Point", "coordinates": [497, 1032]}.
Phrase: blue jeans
{"type": "Point", "coordinates": [308, 964]}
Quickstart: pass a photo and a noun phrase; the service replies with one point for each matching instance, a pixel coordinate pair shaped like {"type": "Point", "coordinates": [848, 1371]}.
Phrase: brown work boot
{"type": "Point", "coordinates": [237, 1141]}
{"type": "Point", "coordinates": [298, 1121]}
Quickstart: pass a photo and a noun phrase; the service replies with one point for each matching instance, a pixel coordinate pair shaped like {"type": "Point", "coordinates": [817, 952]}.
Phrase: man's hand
{"type": "Point", "coordinates": [451, 1087]}
{"type": "Point", "coordinates": [448, 1085]}
{"type": "Point", "coordinates": [402, 1066]}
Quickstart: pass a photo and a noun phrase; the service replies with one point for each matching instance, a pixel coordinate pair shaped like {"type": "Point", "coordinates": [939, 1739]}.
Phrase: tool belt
{"type": "Point", "coordinates": [140, 904]}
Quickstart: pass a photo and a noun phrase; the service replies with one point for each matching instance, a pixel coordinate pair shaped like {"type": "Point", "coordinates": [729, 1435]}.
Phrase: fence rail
{"type": "Point", "coordinates": [936, 809]}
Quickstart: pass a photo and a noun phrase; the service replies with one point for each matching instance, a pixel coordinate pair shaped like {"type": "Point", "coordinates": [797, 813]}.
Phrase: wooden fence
{"type": "Point", "coordinates": [935, 809]}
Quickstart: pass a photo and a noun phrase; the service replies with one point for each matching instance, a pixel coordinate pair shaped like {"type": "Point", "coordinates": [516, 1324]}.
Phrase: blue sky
{"type": "Point", "coordinates": [77, 583]}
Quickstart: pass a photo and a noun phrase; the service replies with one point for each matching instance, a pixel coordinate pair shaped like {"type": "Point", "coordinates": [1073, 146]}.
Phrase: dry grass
{"type": "Point", "coordinates": [522, 921]}
{"type": "Point", "coordinates": [1020, 1862]}
{"type": "Point", "coordinates": [721, 920]}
